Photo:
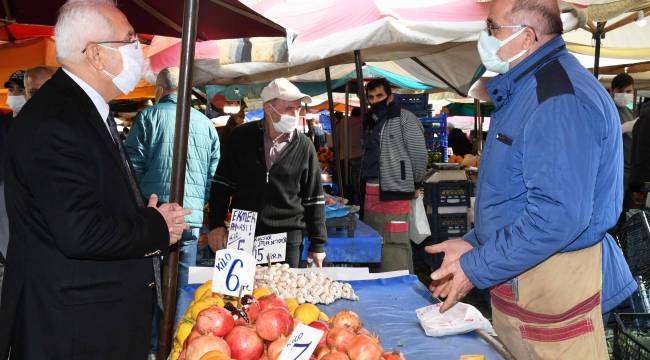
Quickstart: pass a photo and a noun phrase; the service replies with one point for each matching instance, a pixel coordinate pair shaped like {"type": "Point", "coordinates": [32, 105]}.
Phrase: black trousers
{"type": "Point", "coordinates": [294, 248]}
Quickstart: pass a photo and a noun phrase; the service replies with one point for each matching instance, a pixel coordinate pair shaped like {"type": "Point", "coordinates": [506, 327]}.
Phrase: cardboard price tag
{"type": "Point", "coordinates": [302, 343]}
{"type": "Point", "coordinates": [234, 270]}
{"type": "Point", "coordinates": [241, 233]}
{"type": "Point", "coordinates": [270, 248]}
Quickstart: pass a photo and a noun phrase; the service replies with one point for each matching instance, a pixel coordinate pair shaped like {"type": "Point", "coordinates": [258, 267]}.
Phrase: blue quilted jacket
{"type": "Point", "coordinates": [150, 146]}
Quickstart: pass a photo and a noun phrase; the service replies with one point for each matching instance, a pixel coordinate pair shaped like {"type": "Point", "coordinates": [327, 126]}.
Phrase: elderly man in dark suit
{"type": "Point", "coordinates": [83, 260]}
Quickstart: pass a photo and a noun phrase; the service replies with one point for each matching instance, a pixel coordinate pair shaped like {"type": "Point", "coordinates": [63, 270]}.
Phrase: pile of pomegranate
{"type": "Point", "coordinates": [260, 329]}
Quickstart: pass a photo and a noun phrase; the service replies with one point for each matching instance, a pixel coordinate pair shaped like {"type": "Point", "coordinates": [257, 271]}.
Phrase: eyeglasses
{"type": "Point", "coordinates": [135, 43]}
{"type": "Point", "coordinates": [493, 27]}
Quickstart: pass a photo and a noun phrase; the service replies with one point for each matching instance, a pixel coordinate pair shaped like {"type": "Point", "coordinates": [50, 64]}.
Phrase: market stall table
{"type": "Point", "coordinates": [387, 307]}
{"type": "Point", "coordinates": [363, 248]}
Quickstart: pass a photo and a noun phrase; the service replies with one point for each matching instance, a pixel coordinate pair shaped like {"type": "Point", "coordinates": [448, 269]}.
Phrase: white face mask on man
{"type": "Point", "coordinates": [624, 100]}
{"type": "Point", "coordinates": [132, 66]}
{"type": "Point", "coordinates": [16, 102]}
{"type": "Point", "coordinates": [286, 124]}
{"type": "Point", "coordinates": [488, 48]}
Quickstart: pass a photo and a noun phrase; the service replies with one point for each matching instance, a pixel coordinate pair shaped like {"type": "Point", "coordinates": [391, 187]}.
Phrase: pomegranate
{"type": "Point", "coordinates": [321, 352]}
{"type": "Point", "coordinates": [275, 348]}
{"type": "Point", "coordinates": [193, 335]}
{"type": "Point", "coordinates": [273, 322]}
{"type": "Point", "coordinates": [364, 347]}
{"type": "Point", "coordinates": [253, 310]}
{"type": "Point", "coordinates": [206, 343]}
{"type": "Point", "coordinates": [271, 301]}
{"type": "Point", "coordinates": [335, 355]}
{"type": "Point", "coordinates": [244, 343]}
{"type": "Point", "coordinates": [321, 325]}
{"type": "Point", "coordinates": [215, 320]}
{"type": "Point", "coordinates": [347, 319]}
{"type": "Point", "coordinates": [340, 339]}
{"type": "Point", "coordinates": [395, 355]}
{"type": "Point", "coordinates": [182, 355]}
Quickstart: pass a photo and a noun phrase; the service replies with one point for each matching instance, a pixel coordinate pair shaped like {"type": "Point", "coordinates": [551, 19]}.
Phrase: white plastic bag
{"type": "Point", "coordinates": [418, 222]}
{"type": "Point", "coordinates": [460, 319]}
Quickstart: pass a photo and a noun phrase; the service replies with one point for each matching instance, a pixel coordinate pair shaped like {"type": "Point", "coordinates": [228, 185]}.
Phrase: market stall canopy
{"type": "Point", "coordinates": [13, 32]}
{"type": "Point", "coordinates": [218, 19]}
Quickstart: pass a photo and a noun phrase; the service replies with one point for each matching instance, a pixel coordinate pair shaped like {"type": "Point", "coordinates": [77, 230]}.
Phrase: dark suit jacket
{"type": "Point", "coordinates": [77, 277]}
{"type": "Point", "coordinates": [641, 152]}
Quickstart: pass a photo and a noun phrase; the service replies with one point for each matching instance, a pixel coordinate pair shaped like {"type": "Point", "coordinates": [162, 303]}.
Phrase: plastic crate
{"type": "Point", "coordinates": [435, 134]}
{"type": "Point", "coordinates": [631, 337]}
{"type": "Point", "coordinates": [447, 188]}
{"type": "Point", "coordinates": [447, 226]}
{"type": "Point", "coordinates": [635, 241]}
{"type": "Point", "coordinates": [413, 102]}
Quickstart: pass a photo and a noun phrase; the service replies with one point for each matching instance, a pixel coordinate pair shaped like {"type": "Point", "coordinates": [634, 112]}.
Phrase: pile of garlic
{"type": "Point", "coordinates": [305, 287]}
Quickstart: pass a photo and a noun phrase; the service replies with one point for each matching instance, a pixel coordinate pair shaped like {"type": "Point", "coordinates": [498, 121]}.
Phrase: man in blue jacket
{"type": "Point", "coordinates": [550, 186]}
{"type": "Point", "coordinates": [150, 145]}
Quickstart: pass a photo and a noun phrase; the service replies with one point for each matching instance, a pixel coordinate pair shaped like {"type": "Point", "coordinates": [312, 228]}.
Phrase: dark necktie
{"type": "Point", "coordinates": [112, 126]}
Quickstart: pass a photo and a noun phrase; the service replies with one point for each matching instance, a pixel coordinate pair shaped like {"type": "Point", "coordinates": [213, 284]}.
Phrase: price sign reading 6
{"type": "Point", "coordinates": [301, 343]}
{"type": "Point", "coordinates": [234, 270]}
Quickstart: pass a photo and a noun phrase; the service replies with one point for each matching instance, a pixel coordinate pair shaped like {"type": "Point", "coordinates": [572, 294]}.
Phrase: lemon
{"type": "Point", "coordinates": [204, 304]}
{"type": "Point", "coordinates": [259, 292]}
{"type": "Point", "coordinates": [201, 290]}
{"type": "Point", "coordinates": [323, 316]}
{"type": "Point", "coordinates": [307, 313]}
{"type": "Point", "coordinates": [183, 331]}
{"type": "Point", "coordinates": [175, 355]}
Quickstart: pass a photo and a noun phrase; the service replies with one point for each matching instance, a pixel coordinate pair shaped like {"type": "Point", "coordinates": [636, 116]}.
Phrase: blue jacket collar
{"type": "Point", "coordinates": [501, 87]}
{"type": "Point", "coordinates": [169, 98]}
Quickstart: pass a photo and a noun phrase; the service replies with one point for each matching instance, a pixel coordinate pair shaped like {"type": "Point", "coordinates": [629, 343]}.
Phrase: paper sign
{"type": "Point", "coordinates": [234, 270]}
{"type": "Point", "coordinates": [271, 248]}
{"type": "Point", "coordinates": [241, 234]}
{"type": "Point", "coordinates": [302, 343]}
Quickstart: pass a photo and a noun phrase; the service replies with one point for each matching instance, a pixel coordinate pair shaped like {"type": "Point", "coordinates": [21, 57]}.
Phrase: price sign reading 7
{"type": "Point", "coordinates": [301, 343]}
{"type": "Point", "coordinates": [234, 270]}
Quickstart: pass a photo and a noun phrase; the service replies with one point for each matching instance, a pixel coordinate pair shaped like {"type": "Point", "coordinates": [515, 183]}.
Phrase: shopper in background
{"type": "Point", "coordinates": [35, 78]}
{"type": "Point", "coordinates": [272, 169]}
{"type": "Point", "coordinates": [393, 166]}
{"type": "Point", "coordinates": [150, 145]}
{"type": "Point", "coordinates": [540, 240]}
{"type": "Point", "coordinates": [237, 118]}
{"type": "Point", "coordinates": [640, 153]}
{"type": "Point", "coordinates": [622, 90]}
{"type": "Point", "coordinates": [82, 266]}
{"type": "Point", "coordinates": [15, 86]}
{"type": "Point", "coordinates": [458, 141]}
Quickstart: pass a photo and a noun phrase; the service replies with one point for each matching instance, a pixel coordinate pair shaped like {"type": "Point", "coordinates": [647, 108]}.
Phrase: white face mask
{"type": "Point", "coordinates": [132, 65]}
{"type": "Point", "coordinates": [16, 102]}
{"type": "Point", "coordinates": [624, 100]}
{"type": "Point", "coordinates": [286, 124]}
{"type": "Point", "coordinates": [488, 47]}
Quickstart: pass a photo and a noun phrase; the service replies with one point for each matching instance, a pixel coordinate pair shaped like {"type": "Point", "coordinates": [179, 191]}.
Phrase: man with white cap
{"type": "Point", "coordinates": [271, 168]}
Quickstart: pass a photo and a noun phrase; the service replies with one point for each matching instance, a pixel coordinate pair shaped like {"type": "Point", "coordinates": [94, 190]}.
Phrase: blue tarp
{"type": "Point", "coordinates": [364, 247]}
{"type": "Point", "coordinates": [387, 307]}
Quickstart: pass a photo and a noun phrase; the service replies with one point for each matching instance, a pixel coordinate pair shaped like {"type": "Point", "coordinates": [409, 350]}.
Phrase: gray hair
{"type": "Point", "coordinates": [81, 22]}
{"type": "Point", "coordinates": [168, 79]}
{"type": "Point", "coordinates": [542, 15]}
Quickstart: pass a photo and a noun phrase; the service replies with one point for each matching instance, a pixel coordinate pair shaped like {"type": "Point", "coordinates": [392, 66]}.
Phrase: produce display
{"type": "Point", "coordinates": [257, 327]}
{"type": "Point", "coordinates": [306, 287]}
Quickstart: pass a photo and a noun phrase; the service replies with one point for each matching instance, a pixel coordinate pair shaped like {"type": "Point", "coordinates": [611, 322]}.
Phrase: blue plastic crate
{"type": "Point", "coordinates": [413, 102]}
{"type": "Point", "coordinates": [435, 134]}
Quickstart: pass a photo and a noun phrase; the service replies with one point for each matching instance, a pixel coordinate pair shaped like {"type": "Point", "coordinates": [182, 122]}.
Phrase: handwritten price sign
{"type": "Point", "coordinates": [241, 234]}
{"type": "Point", "coordinates": [234, 270]}
{"type": "Point", "coordinates": [302, 343]}
{"type": "Point", "coordinates": [270, 248]}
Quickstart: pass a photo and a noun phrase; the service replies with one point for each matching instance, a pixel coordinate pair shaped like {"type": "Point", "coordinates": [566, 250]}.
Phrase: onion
{"type": "Point", "coordinates": [335, 355]}
{"type": "Point", "coordinates": [245, 344]}
{"type": "Point", "coordinates": [347, 319]}
{"type": "Point", "coordinates": [276, 347]}
{"type": "Point", "coordinates": [364, 347]}
{"type": "Point", "coordinates": [340, 339]}
{"type": "Point", "coordinates": [321, 325]}
{"type": "Point", "coordinates": [273, 322]}
{"type": "Point", "coordinates": [215, 320]}
{"type": "Point", "coordinates": [206, 343]}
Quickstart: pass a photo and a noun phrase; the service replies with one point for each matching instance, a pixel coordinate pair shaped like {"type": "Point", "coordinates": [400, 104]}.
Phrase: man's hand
{"type": "Point", "coordinates": [457, 286]}
{"type": "Point", "coordinates": [318, 258]}
{"type": "Point", "coordinates": [174, 216]}
{"type": "Point", "coordinates": [453, 250]}
{"type": "Point", "coordinates": [217, 238]}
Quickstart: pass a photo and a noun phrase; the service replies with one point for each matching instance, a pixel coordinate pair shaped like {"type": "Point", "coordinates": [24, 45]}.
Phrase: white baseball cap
{"type": "Point", "coordinates": [283, 89]}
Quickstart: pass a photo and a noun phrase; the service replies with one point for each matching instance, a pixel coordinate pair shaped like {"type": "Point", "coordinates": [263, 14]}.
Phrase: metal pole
{"type": "Point", "coordinates": [179, 161]}
{"type": "Point", "coordinates": [479, 133]}
{"type": "Point", "coordinates": [335, 139]}
{"type": "Point", "coordinates": [360, 90]}
{"type": "Point", "coordinates": [346, 133]}
{"type": "Point", "coordinates": [598, 36]}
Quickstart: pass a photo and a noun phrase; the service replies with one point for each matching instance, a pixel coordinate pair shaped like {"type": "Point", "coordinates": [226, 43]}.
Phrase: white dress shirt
{"type": "Point", "coordinates": [98, 100]}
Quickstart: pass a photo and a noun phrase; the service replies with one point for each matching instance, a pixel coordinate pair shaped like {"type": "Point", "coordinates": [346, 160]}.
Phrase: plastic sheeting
{"type": "Point", "coordinates": [387, 307]}
{"type": "Point", "coordinates": [364, 247]}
